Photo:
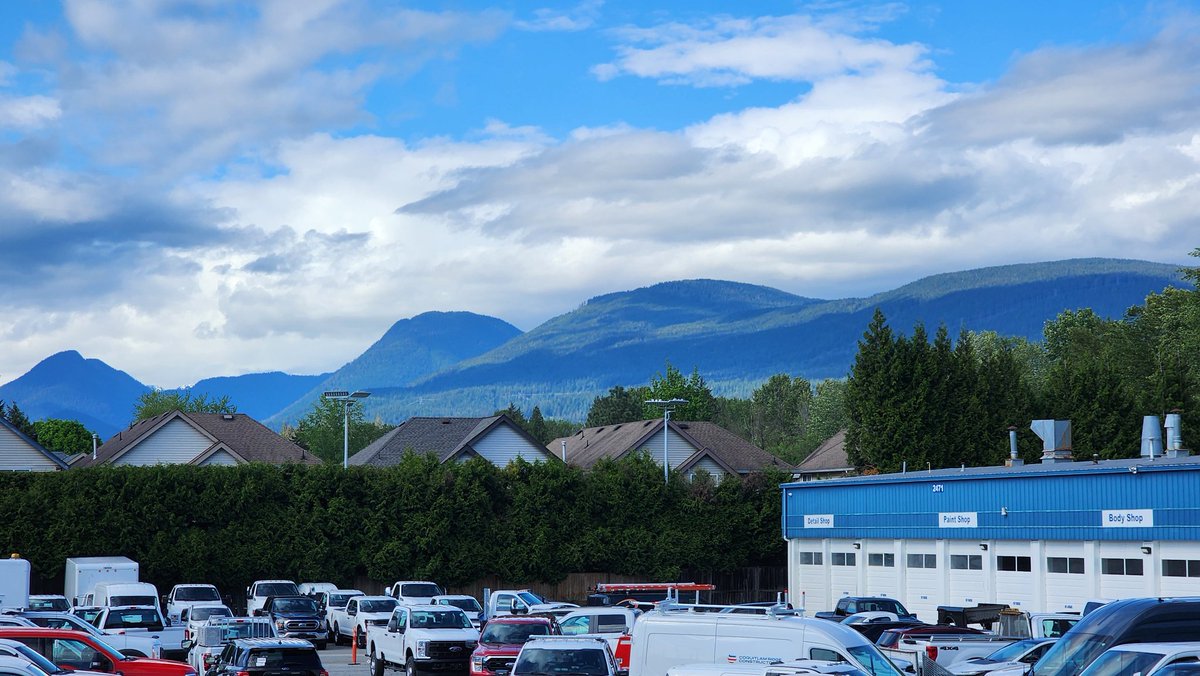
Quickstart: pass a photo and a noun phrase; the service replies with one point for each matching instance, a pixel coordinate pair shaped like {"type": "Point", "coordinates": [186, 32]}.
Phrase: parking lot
{"type": "Point", "coordinates": [337, 661]}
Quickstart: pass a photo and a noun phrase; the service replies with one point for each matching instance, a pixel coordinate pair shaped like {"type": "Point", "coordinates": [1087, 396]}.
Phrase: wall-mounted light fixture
{"type": "Point", "coordinates": [1003, 511]}
{"type": "Point", "coordinates": [858, 545]}
{"type": "Point", "coordinates": [1146, 549]}
{"type": "Point", "coordinates": [983, 546]}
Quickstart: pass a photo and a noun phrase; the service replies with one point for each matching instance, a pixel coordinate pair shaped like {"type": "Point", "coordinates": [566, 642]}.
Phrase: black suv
{"type": "Point", "coordinates": [268, 657]}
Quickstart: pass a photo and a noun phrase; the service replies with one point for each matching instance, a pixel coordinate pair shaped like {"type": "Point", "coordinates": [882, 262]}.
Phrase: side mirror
{"type": "Point", "coordinates": [259, 612]}
{"type": "Point", "coordinates": [186, 645]}
{"type": "Point", "coordinates": [248, 594]}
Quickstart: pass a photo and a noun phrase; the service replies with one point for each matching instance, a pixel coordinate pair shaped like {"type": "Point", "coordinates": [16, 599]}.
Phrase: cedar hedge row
{"type": "Point", "coordinates": [454, 523]}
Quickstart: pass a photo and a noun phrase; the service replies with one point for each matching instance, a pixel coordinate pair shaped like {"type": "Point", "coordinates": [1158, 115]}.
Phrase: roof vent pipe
{"type": "Point", "coordinates": [1152, 445]}
{"type": "Point", "coordinates": [1013, 460]}
{"type": "Point", "coordinates": [1175, 435]}
{"type": "Point", "coordinates": [1056, 440]}
{"type": "Point", "coordinates": [564, 450]}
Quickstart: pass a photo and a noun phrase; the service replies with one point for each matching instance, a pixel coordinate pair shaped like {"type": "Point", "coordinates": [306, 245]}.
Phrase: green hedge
{"type": "Point", "coordinates": [419, 520]}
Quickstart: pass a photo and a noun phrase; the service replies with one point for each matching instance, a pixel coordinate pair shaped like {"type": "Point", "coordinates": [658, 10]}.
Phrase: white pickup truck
{"type": "Point", "coordinates": [210, 638]}
{"type": "Point", "coordinates": [127, 644]}
{"type": "Point", "coordinates": [507, 601]}
{"type": "Point", "coordinates": [360, 613]}
{"type": "Point", "coordinates": [414, 592]}
{"type": "Point", "coordinates": [422, 638]}
{"type": "Point", "coordinates": [950, 649]}
{"type": "Point", "coordinates": [187, 595]}
{"type": "Point", "coordinates": [142, 621]}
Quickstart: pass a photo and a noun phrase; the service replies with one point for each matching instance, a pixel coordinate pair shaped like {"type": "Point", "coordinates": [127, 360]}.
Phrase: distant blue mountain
{"type": "Point", "coordinates": [258, 395]}
{"type": "Point", "coordinates": [410, 350]}
{"type": "Point", "coordinates": [65, 385]}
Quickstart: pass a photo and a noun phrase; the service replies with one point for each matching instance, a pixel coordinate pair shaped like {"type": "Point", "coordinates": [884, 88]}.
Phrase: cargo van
{"type": "Point", "coordinates": [675, 635]}
{"type": "Point", "coordinates": [124, 594]}
{"type": "Point", "coordinates": [83, 573]}
{"type": "Point", "coordinates": [1144, 620]}
{"type": "Point", "coordinates": [14, 582]}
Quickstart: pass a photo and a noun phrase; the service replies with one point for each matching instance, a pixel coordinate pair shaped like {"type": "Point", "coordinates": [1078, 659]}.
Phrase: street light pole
{"type": "Point", "coordinates": [668, 405]}
{"type": "Point", "coordinates": [347, 399]}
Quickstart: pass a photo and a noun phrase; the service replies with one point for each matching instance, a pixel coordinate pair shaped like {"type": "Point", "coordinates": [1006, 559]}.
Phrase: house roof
{"type": "Point", "coordinates": [586, 447]}
{"type": "Point", "coordinates": [828, 457]}
{"type": "Point", "coordinates": [245, 437]}
{"type": "Point", "coordinates": [53, 457]}
{"type": "Point", "coordinates": [444, 437]}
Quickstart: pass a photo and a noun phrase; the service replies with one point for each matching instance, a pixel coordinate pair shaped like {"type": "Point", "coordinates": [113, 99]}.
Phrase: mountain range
{"type": "Point", "coordinates": [736, 335]}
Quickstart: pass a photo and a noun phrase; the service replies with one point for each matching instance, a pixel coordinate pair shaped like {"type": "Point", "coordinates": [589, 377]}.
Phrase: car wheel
{"type": "Point", "coordinates": [376, 664]}
{"type": "Point", "coordinates": [410, 666]}
{"type": "Point", "coordinates": [322, 645]}
{"type": "Point", "coordinates": [362, 639]}
{"type": "Point", "coordinates": [337, 636]}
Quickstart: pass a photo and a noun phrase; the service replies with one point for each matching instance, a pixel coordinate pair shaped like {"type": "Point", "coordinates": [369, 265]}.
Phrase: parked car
{"type": "Point", "coordinates": [1015, 656]}
{"type": "Point", "coordinates": [50, 602]}
{"type": "Point", "coordinates": [414, 592]}
{"type": "Point", "coordinates": [142, 621]}
{"type": "Point", "coordinates": [187, 595]}
{"type": "Point", "coordinates": [873, 629]}
{"type": "Point", "coordinates": [258, 592]}
{"type": "Point", "coordinates": [268, 657]}
{"type": "Point", "coordinates": [360, 613]}
{"type": "Point", "coordinates": [123, 594]}
{"type": "Point", "coordinates": [11, 648]}
{"type": "Point", "coordinates": [330, 602]}
{"type": "Point", "coordinates": [77, 650]}
{"type": "Point", "coordinates": [422, 638]}
{"type": "Point", "coordinates": [131, 645]}
{"type": "Point", "coordinates": [209, 640]}
{"type": "Point", "coordinates": [16, 666]}
{"type": "Point", "coordinates": [508, 601]}
{"type": "Point", "coordinates": [1142, 658]}
{"type": "Point", "coordinates": [501, 639]}
{"type": "Point", "coordinates": [193, 617]}
{"type": "Point", "coordinates": [87, 613]}
{"type": "Point", "coordinates": [296, 617]}
{"type": "Point", "coordinates": [314, 588]}
{"type": "Point", "coordinates": [849, 605]}
{"type": "Point", "coordinates": [1141, 620]}
{"type": "Point", "coordinates": [463, 602]}
{"type": "Point", "coordinates": [15, 621]}
{"type": "Point", "coordinates": [892, 637]}
{"type": "Point", "coordinates": [610, 622]}
{"type": "Point", "coordinates": [780, 669]}
{"type": "Point", "coordinates": [575, 655]}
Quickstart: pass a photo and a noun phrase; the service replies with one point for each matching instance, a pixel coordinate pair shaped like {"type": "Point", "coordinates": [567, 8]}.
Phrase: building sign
{"type": "Point", "coordinates": [958, 519]}
{"type": "Point", "coordinates": [1127, 518]}
{"type": "Point", "coordinates": [818, 521]}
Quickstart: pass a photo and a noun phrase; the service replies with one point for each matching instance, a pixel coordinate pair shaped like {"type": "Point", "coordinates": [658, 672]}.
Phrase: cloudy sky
{"type": "Point", "coordinates": [195, 187]}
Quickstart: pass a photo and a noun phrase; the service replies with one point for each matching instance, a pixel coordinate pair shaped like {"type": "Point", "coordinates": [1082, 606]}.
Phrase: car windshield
{"type": "Point", "coordinates": [276, 589]}
{"type": "Point", "coordinates": [202, 613]}
{"type": "Point", "coordinates": [292, 658]}
{"type": "Point", "coordinates": [440, 619]}
{"type": "Point", "coordinates": [197, 594]}
{"type": "Point", "coordinates": [420, 589]}
{"type": "Point", "coordinates": [302, 605]}
{"type": "Point", "coordinates": [498, 632]}
{"type": "Point", "coordinates": [468, 604]}
{"type": "Point", "coordinates": [49, 604]}
{"type": "Point", "coordinates": [1072, 653]}
{"type": "Point", "coordinates": [88, 615]}
{"type": "Point", "coordinates": [340, 600]}
{"type": "Point", "coordinates": [585, 661]}
{"type": "Point", "coordinates": [1121, 663]}
{"type": "Point", "coordinates": [1013, 651]}
{"type": "Point", "coordinates": [872, 661]}
{"type": "Point", "coordinates": [530, 598]}
{"type": "Point", "coordinates": [377, 606]}
{"type": "Point", "coordinates": [133, 618]}
{"type": "Point", "coordinates": [31, 655]}
{"type": "Point", "coordinates": [881, 605]}
{"type": "Point", "coordinates": [132, 600]}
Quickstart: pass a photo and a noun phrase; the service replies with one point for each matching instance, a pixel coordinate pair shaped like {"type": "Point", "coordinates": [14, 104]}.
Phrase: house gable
{"type": "Point", "coordinates": [18, 453]}
{"type": "Point", "coordinates": [502, 444]}
{"type": "Point", "coordinates": [709, 465]}
{"type": "Point", "coordinates": [176, 442]}
{"type": "Point", "coordinates": [218, 456]}
{"type": "Point", "coordinates": [679, 449]}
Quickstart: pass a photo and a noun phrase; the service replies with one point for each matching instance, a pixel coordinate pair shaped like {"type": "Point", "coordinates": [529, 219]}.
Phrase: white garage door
{"type": "Point", "coordinates": [1014, 574]}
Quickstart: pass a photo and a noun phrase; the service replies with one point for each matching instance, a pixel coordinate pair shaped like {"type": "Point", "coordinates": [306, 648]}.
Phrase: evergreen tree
{"type": "Point", "coordinates": [156, 402]}
{"type": "Point", "coordinates": [701, 404]}
{"type": "Point", "coordinates": [19, 420]}
{"type": "Point", "coordinates": [620, 405]}
{"type": "Point", "coordinates": [537, 426]}
{"type": "Point", "coordinates": [515, 415]}
{"type": "Point", "coordinates": [870, 400]}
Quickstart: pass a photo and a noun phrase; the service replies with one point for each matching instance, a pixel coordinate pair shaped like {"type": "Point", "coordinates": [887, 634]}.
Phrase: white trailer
{"type": "Point", "coordinates": [85, 572]}
{"type": "Point", "coordinates": [14, 582]}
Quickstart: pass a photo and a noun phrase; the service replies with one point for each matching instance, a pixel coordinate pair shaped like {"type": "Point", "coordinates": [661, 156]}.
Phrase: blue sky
{"type": "Point", "coordinates": [197, 188]}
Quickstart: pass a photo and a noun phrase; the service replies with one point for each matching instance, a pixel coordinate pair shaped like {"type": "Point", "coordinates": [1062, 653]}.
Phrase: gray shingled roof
{"type": "Point", "coordinates": [241, 434]}
{"type": "Point", "coordinates": [444, 437]}
{"type": "Point", "coordinates": [829, 457]}
{"type": "Point", "coordinates": [586, 447]}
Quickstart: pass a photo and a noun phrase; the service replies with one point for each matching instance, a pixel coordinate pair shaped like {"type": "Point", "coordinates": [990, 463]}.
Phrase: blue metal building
{"type": "Point", "coordinates": [1044, 537]}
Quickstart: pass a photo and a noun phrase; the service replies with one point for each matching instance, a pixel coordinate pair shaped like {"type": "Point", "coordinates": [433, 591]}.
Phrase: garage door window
{"type": "Point", "coordinates": [922, 560]}
{"type": "Point", "coordinates": [811, 559]}
{"type": "Point", "coordinates": [966, 562]}
{"type": "Point", "coordinates": [881, 560]}
{"type": "Point", "coordinates": [1180, 568]}
{"type": "Point", "coordinates": [1120, 566]}
{"type": "Point", "coordinates": [1016, 564]}
{"type": "Point", "coordinates": [844, 559]}
{"type": "Point", "coordinates": [1062, 564]}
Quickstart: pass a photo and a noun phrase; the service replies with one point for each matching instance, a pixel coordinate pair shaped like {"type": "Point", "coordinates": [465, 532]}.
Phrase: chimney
{"type": "Point", "coordinates": [1013, 460]}
{"type": "Point", "coordinates": [1056, 440]}
{"type": "Point", "coordinates": [1175, 435]}
{"type": "Point", "coordinates": [1152, 446]}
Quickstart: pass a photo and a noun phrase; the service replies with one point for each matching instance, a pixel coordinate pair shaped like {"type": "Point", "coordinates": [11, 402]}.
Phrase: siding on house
{"type": "Point", "coordinates": [221, 457]}
{"type": "Point", "coordinates": [17, 455]}
{"type": "Point", "coordinates": [709, 466]}
{"type": "Point", "coordinates": [678, 449]}
{"type": "Point", "coordinates": [502, 445]}
{"type": "Point", "coordinates": [175, 442]}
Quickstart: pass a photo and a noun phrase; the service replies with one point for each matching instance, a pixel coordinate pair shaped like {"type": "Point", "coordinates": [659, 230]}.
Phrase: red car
{"type": "Point", "coordinates": [500, 641]}
{"type": "Point", "coordinates": [77, 650]}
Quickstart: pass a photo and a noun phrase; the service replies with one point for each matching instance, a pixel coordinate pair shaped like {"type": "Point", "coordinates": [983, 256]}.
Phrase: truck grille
{"type": "Point", "coordinates": [300, 625]}
{"type": "Point", "coordinates": [499, 663]}
{"type": "Point", "coordinates": [443, 650]}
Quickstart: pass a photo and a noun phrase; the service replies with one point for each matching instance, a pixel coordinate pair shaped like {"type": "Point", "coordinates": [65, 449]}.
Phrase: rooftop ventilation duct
{"type": "Point", "coordinates": [1175, 436]}
{"type": "Point", "coordinates": [1152, 443]}
{"type": "Point", "coordinates": [1056, 439]}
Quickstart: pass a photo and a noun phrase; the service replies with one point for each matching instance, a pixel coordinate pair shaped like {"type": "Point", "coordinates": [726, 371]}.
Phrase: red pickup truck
{"type": "Point", "coordinates": [501, 638]}
{"type": "Point", "coordinates": [78, 650]}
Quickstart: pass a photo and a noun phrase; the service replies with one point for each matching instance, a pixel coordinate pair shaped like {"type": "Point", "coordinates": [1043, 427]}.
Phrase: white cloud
{"type": "Point", "coordinates": [580, 17]}
{"type": "Point", "coordinates": [27, 113]}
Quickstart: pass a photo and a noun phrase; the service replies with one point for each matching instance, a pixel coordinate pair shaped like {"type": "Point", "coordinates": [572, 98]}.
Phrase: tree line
{"type": "Point", "coordinates": [453, 523]}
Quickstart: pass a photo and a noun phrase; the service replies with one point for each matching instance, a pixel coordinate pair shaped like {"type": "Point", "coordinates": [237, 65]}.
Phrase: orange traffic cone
{"type": "Point", "coordinates": [354, 647]}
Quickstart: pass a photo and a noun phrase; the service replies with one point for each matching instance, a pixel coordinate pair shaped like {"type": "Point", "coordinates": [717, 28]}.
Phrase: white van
{"type": "Point", "coordinates": [677, 635]}
{"type": "Point", "coordinates": [792, 668]}
{"type": "Point", "coordinates": [123, 594]}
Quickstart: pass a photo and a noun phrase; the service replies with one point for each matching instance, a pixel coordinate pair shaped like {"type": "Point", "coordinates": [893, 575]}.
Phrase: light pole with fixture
{"type": "Point", "coordinates": [347, 399]}
{"type": "Point", "coordinates": [668, 405]}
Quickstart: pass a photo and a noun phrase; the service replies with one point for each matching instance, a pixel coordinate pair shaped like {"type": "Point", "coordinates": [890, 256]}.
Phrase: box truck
{"type": "Point", "coordinates": [85, 572]}
{"type": "Point", "coordinates": [14, 582]}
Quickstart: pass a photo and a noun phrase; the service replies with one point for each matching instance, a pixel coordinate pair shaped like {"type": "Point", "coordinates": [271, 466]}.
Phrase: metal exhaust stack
{"type": "Point", "coordinates": [1175, 436]}
{"type": "Point", "coordinates": [1013, 459]}
{"type": "Point", "coordinates": [1056, 440]}
{"type": "Point", "coordinates": [1152, 446]}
